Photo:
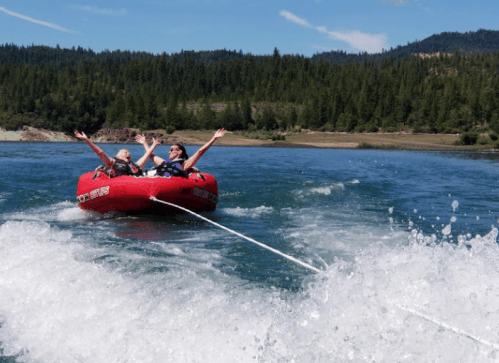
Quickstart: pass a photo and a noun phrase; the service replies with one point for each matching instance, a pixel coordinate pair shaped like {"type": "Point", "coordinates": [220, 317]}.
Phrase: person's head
{"type": "Point", "coordinates": [124, 155]}
{"type": "Point", "coordinates": [177, 151]}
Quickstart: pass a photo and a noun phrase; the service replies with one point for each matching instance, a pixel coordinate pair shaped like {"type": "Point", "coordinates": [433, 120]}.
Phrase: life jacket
{"type": "Point", "coordinates": [171, 168]}
{"type": "Point", "coordinates": [121, 167]}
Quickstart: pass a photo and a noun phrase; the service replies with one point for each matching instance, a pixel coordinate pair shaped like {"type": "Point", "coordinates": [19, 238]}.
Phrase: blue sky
{"type": "Point", "coordinates": [253, 26]}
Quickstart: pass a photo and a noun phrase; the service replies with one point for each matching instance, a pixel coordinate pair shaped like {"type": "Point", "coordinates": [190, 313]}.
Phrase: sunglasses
{"type": "Point", "coordinates": [172, 149]}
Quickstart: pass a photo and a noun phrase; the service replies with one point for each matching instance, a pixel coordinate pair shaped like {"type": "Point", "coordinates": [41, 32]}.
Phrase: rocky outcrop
{"type": "Point", "coordinates": [105, 135]}
{"type": "Point", "coordinates": [28, 133]}
{"type": "Point", "coordinates": [127, 136]}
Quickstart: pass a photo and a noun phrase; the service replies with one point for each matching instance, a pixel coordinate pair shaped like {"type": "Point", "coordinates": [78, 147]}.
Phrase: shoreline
{"type": "Point", "coordinates": [31, 134]}
{"type": "Point", "coordinates": [311, 139]}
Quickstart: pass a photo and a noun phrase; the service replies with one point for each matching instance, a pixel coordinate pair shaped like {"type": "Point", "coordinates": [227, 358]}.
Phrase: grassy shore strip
{"type": "Point", "coordinates": [344, 141]}
{"type": "Point", "coordinates": [338, 140]}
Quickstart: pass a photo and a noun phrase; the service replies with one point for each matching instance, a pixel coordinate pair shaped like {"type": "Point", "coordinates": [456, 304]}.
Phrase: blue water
{"type": "Point", "coordinates": [406, 241]}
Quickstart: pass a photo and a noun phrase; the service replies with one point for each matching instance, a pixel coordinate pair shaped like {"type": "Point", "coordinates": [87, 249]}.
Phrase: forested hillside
{"type": "Point", "coordinates": [64, 90]}
{"type": "Point", "coordinates": [59, 57]}
{"type": "Point", "coordinates": [470, 43]}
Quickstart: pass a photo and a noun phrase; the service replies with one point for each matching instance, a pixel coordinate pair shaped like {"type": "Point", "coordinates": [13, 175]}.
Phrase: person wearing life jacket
{"type": "Point", "coordinates": [178, 162]}
{"type": "Point", "coordinates": [121, 164]}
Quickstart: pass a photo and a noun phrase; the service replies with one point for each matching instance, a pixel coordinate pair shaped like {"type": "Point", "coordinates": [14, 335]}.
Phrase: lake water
{"type": "Point", "coordinates": [405, 241]}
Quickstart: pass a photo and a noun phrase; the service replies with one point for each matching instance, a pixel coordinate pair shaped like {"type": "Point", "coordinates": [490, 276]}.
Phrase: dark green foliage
{"type": "Point", "coordinates": [64, 90]}
{"type": "Point", "coordinates": [482, 140]}
{"type": "Point", "coordinates": [469, 138]}
{"type": "Point", "coordinates": [366, 145]}
{"type": "Point", "coordinates": [278, 138]}
{"type": "Point", "coordinates": [207, 117]}
{"type": "Point", "coordinates": [448, 42]}
{"type": "Point", "coordinates": [267, 120]}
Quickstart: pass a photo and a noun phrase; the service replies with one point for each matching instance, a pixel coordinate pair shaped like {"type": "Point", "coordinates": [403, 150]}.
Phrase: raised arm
{"type": "Point", "coordinates": [101, 154]}
{"type": "Point", "coordinates": [141, 139]}
{"type": "Point", "coordinates": [189, 163]}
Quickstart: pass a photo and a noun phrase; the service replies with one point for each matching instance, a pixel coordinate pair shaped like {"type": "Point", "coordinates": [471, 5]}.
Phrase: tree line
{"type": "Point", "coordinates": [436, 94]}
{"type": "Point", "coordinates": [473, 42]}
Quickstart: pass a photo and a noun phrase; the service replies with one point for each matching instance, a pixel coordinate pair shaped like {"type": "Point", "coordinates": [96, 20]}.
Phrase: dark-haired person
{"type": "Point", "coordinates": [121, 164]}
{"type": "Point", "coordinates": [178, 162]}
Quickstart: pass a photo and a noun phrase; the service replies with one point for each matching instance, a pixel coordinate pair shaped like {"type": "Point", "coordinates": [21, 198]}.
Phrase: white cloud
{"type": "Point", "coordinates": [100, 11]}
{"type": "Point", "coordinates": [294, 19]}
{"type": "Point", "coordinates": [40, 22]}
{"type": "Point", "coordinates": [370, 43]}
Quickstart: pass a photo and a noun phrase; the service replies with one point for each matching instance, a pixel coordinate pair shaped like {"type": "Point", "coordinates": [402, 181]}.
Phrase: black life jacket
{"type": "Point", "coordinates": [121, 167]}
{"type": "Point", "coordinates": [171, 168]}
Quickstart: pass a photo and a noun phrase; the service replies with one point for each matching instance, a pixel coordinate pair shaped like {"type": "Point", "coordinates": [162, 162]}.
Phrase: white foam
{"type": "Point", "coordinates": [447, 230]}
{"type": "Point", "coordinates": [321, 190]}
{"type": "Point", "coordinates": [3, 197]}
{"type": "Point", "coordinates": [71, 214]}
{"type": "Point", "coordinates": [336, 232]}
{"type": "Point", "coordinates": [248, 212]}
{"type": "Point", "coordinates": [324, 190]}
{"type": "Point", "coordinates": [354, 313]}
{"type": "Point", "coordinates": [230, 194]}
{"type": "Point", "coordinates": [62, 212]}
{"type": "Point", "coordinates": [56, 304]}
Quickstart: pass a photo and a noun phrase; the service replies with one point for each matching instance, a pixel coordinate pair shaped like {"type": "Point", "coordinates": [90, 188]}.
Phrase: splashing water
{"type": "Point", "coordinates": [69, 309]}
{"type": "Point", "coordinates": [395, 287]}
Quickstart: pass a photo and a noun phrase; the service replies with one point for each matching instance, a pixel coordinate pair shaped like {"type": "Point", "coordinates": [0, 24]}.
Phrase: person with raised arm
{"type": "Point", "coordinates": [178, 162]}
{"type": "Point", "coordinates": [121, 164]}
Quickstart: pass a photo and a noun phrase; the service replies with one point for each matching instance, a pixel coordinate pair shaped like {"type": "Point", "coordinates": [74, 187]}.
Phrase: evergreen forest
{"type": "Point", "coordinates": [69, 89]}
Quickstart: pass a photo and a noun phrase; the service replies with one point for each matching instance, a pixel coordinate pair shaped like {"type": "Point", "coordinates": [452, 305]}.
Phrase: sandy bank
{"type": "Point", "coordinates": [29, 133]}
{"type": "Point", "coordinates": [338, 140]}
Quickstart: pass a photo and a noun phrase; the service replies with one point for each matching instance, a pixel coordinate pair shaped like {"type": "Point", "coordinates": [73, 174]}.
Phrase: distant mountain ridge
{"type": "Point", "coordinates": [35, 55]}
{"type": "Point", "coordinates": [481, 41]}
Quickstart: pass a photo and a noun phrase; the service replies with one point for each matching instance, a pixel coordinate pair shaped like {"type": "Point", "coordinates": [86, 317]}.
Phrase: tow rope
{"type": "Point", "coordinates": [291, 258]}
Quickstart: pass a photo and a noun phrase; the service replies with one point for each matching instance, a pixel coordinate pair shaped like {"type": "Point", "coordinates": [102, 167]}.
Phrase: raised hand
{"type": "Point", "coordinates": [219, 133]}
{"type": "Point", "coordinates": [141, 139]}
{"type": "Point", "coordinates": [81, 135]}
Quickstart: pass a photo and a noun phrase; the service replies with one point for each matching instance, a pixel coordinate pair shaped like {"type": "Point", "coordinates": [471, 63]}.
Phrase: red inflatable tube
{"type": "Point", "coordinates": [132, 195]}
